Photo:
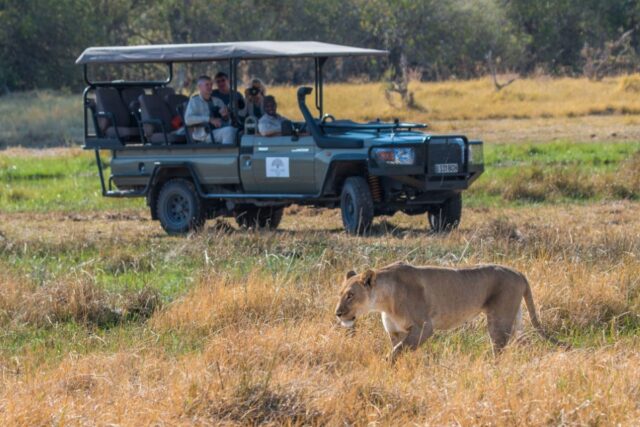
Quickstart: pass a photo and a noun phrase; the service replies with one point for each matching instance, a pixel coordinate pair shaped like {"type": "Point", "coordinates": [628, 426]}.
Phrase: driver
{"type": "Point", "coordinates": [203, 110]}
{"type": "Point", "coordinates": [270, 124]}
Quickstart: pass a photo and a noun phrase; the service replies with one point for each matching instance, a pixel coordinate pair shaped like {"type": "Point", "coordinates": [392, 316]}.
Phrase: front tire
{"type": "Point", "coordinates": [179, 208]}
{"type": "Point", "coordinates": [356, 204]}
{"type": "Point", "coordinates": [446, 216]}
{"type": "Point", "coordinates": [254, 217]}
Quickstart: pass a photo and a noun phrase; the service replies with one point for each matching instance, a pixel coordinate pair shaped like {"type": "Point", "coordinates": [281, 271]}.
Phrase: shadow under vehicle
{"type": "Point", "coordinates": [365, 169]}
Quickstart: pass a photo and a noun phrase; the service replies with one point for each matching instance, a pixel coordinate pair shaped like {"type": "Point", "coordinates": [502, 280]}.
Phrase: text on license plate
{"type": "Point", "coordinates": [446, 168]}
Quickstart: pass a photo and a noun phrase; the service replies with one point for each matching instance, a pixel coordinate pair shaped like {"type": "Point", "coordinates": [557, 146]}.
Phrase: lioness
{"type": "Point", "coordinates": [415, 301]}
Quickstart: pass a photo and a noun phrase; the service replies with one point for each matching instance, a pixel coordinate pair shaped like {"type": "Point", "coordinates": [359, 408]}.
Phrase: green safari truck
{"type": "Point", "coordinates": [365, 169]}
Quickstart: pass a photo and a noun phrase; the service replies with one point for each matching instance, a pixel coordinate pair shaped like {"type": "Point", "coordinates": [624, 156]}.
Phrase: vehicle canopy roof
{"type": "Point", "coordinates": [167, 53]}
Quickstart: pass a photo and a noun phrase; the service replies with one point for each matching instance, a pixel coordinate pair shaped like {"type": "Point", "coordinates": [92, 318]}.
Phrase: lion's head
{"type": "Point", "coordinates": [355, 297]}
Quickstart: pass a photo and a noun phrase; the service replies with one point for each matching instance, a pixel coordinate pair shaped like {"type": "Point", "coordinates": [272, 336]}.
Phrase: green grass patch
{"type": "Point", "coordinates": [515, 173]}
{"type": "Point", "coordinates": [559, 153]}
{"type": "Point", "coordinates": [47, 346]}
{"type": "Point", "coordinates": [40, 119]}
{"type": "Point", "coordinates": [554, 172]}
{"type": "Point", "coordinates": [44, 183]}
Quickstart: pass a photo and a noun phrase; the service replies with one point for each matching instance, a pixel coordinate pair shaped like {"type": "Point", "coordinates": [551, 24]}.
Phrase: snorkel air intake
{"type": "Point", "coordinates": [322, 139]}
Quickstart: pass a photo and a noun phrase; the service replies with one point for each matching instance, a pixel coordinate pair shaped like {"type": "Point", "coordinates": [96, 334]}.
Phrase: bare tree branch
{"type": "Point", "coordinates": [613, 56]}
{"type": "Point", "coordinates": [494, 73]}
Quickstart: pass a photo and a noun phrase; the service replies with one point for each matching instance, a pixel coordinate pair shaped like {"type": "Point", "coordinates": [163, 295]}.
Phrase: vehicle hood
{"type": "Point", "coordinates": [401, 138]}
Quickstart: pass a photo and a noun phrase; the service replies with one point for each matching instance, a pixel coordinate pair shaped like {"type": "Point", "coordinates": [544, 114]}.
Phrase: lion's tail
{"type": "Point", "coordinates": [528, 299]}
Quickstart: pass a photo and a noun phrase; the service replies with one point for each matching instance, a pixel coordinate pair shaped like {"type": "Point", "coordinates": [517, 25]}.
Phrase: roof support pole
{"type": "Point", "coordinates": [170, 76]}
{"type": "Point", "coordinates": [233, 82]}
{"type": "Point", "coordinates": [319, 84]}
{"type": "Point", "coordinates": [85, 73]}
{"type": "Point", "coordinates": [85, 98]}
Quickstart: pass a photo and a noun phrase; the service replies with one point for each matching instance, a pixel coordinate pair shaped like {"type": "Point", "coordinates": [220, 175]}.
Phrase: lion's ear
{"type": "Point", "coordinates": [350, 274]}
{"type": "Point", "coordinates": [368, 278]}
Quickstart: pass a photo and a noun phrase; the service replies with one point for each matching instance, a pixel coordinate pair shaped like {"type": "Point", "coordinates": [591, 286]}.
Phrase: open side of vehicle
{"type": "Point", "coordinates": [366, 169]}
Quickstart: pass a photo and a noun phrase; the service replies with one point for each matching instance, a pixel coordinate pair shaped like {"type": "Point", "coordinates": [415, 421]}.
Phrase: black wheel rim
{"type": "Point", "coordinates": [349, 210]}
{"type": "Point", "coordinates": [435, 220]}
{"type": "Point", "coordinates": [178, 210]}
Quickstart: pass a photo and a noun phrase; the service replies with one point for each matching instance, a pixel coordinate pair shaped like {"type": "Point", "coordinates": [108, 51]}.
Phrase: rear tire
{"type": "Point", "coordinates": [179, 208]}
{"type": "Point", "coordinates": [356, 204]}
{"type": "Point", "coordinates": [446, 217]}
{"type": "Point", "coordinates": [254, 217]}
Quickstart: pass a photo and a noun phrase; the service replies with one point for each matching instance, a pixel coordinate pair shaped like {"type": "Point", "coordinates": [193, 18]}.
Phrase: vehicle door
{"type": "Point", "coordinates": [278, 164]}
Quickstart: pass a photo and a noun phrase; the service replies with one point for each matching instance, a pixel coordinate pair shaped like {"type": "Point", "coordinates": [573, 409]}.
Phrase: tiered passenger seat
{"type": "Point", "coordinates": [156, 121]}
{"type": "Point", "coordinates": [176, 103]}
{"type": "Point", "coordinates": [113, 117]}
{"type": "Point", "coordinates": [164, 91]}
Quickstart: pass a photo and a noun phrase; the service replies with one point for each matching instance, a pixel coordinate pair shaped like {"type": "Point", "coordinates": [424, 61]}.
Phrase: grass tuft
{"type": "Point", "coordinates": [108, 321]}
{"type": "Point", "coordinates": [72, 300]}
{"type": "Point", "coordinates": [531, 109]}
{"type": "Point", "coordinates": [630, 84]}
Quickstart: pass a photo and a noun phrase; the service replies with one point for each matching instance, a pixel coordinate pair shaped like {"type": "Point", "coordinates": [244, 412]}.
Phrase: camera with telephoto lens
{"type": "Point", "coordinates": [253, 91]}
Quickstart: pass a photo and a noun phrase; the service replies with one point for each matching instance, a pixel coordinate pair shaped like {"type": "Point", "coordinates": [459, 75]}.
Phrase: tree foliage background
{"type": "Point", "coordinates": [40, 39]}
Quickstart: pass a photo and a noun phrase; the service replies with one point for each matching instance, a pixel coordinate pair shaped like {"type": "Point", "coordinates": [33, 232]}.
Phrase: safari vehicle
{"type": "Point", "coordinates": [366, 169]}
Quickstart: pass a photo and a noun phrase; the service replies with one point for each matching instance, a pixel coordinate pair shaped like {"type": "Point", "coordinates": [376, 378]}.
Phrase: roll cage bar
{"type": "Point", "coordinates": [233, 53]}
{"type": "Point", "coordinates": [213, 52]}
{"type": "Point", "coordinates": [233, 80]}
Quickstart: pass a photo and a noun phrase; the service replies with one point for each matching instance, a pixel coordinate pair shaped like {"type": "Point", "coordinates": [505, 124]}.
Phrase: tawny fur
{"type": "Point", "coordinates": [416, 301]}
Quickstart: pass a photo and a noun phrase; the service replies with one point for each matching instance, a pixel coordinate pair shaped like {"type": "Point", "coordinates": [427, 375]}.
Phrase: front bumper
{"type": "Point", "coordinates": [442, 163]}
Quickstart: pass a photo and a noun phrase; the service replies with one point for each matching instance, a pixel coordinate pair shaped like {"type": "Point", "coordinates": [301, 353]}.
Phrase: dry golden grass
{"type": "Point", "coordinates": [477, 99]}
{"type": "Point", "coordinates": [266, 348]}
{"type": "Point", "coordinates": [78, 300]}
{"type": "Point", "coordinates": [254, 377]}
{"type": "Point", "coordinates": [531, 109]}
{"type": "Point", "coordinates": [107, 321]}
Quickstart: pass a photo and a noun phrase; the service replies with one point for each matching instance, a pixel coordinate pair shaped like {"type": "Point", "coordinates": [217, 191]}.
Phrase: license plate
{"type": "Point", "coordinates": [446, 167]}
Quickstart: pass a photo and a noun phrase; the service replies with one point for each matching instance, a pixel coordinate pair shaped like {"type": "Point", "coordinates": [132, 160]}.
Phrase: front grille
{"type": "Point", "coordinates": [445, 156]}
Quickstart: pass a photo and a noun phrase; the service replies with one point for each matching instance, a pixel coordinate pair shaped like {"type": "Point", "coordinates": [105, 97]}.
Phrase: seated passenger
{"type": "Point", "coordinates": [204, 110]}
{"type": "Point", "coordinates": [223, 92]}
{"type": "Point", "coordinates": [270, 123]}
{"type": "Point", "coordinates": [254, 100]}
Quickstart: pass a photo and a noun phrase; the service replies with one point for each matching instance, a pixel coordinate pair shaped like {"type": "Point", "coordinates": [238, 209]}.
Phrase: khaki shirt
{"type": "Point", "coordinates": [268, 124]}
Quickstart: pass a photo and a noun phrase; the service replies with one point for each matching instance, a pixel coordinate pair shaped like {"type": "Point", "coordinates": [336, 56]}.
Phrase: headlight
{"type": "Point", "coordinates": [394, 156]}
{"type": "Point", "coordinates": [476, 153]}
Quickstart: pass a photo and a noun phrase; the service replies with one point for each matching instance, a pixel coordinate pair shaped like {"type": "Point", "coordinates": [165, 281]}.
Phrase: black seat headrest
{"type": "Point", "coordinates": [163, 91]}
{"type": "Point", "coordinates": [153, 107]}
{"type": "Point", "coordinates": [174, 101]}
{"type": "Point", "coordinates": [108, 100]}
{"type": "Point", "coordinates": [131, 94]}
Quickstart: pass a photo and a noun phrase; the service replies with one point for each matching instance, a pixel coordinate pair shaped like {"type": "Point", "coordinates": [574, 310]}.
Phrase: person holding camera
{"type": "Point", "coordinates": [204, 111]}
{"type": "Point", "coordinates": [254, 100]}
